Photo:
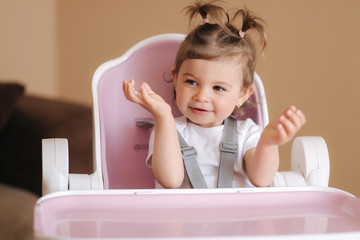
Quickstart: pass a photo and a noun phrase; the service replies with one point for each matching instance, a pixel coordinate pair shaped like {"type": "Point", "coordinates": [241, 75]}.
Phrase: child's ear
{"type": "Point", "coordinates": [244, 95]}
{"type": "Point", "coordinates": [174, 75]}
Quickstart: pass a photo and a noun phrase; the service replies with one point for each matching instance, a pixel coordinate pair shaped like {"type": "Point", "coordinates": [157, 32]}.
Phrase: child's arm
{"type": "Point", "coordinates": [167, 164]}
{"type": "Point", "coordinates": [262, 162]}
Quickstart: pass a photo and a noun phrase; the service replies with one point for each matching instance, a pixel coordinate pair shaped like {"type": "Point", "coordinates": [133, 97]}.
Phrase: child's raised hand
{"type": "Point", "coordinates": [147, 98]}
{"type": "Point", "coordinates": [284, 127]}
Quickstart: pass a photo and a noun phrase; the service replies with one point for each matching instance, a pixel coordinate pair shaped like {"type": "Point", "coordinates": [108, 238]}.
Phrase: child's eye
{"type": "Point", "coordinates": [218, 88]}
{"type": "Point", "coordinates": [191, 82]}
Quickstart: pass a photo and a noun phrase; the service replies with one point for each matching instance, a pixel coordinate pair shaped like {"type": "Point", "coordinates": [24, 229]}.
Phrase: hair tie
{"type": "Point", "coordinates": [206, 20]}
{"type": "Point", "coordinates": [241, 34]}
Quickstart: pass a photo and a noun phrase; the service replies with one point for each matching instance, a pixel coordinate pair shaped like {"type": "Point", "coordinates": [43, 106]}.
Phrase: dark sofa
{"type": "Point", "coordinates": [24, 121]}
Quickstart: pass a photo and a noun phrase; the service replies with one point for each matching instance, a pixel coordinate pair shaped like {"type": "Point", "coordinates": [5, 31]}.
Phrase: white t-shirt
{"type": "Point", "coordinates": [207, 141]}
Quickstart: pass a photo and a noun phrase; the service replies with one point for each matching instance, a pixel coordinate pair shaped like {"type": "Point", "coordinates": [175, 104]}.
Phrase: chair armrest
{"type": "Point", "coordinates": [310, 156]}
{"type": "Point", "coordinates": [309, 164]}
{"type": "Point", "coordinates": [56, 176]}
{"type": "Point", "coordinates": [55, 161]}
{"type": "Point", "coordinates": [85, 181]}
{"type": "Point", "coordinates": [288, 179]}
{"type": "Point", "coordinates": [79, 181]}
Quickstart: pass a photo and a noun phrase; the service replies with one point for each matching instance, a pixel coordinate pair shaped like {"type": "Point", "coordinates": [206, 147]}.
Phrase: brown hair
{"type": "Point", "coordinates": [221, 39]}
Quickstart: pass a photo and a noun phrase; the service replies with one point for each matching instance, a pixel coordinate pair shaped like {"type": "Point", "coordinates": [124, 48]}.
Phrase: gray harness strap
{"type": "Point", "coordinates": [192, 168]}
{"type": "Point", "coordinates": [228, 147]}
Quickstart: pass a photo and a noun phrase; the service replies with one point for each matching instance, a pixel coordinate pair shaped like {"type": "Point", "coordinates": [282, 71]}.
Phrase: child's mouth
{"type": "Point", "coordinates": [198, 110]}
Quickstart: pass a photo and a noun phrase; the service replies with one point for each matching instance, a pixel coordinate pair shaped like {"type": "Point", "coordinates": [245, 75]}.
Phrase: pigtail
{"type": "Point", "coordinates": [252, 22]}
{"type": "Point", "coordinates": [217, 13]}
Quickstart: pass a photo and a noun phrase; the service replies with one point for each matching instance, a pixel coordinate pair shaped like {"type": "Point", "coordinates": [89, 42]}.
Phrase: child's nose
{"type": "Point", "coordinates": [201, 96]}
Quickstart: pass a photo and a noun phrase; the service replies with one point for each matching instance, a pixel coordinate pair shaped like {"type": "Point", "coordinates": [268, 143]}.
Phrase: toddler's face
{"type": "Point", "coordinates": [207, 91]}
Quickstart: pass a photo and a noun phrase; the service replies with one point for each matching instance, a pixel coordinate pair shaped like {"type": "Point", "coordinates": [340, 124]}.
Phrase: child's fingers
{"type": "Point", "coordinates": [145, 87]}
{"type": "Point", "coordinates": [294, 118]}
{"type": "Point", "coordinates": [301, 116]}
{"type": "Point", "coordinates": [126, 89]}
{"type": "Point", "coordinates": [288, 125]}
{"type": "Point", "coordinates": [298, 119]}
{"type": "Point", "coordinates": [130, 92]}
{"type": "Point", "coordinates": [148, 94]}
{"type": "Point", "coordinates": [281, 132]}
{"type": "Point", "coordinates": [132, 87]}
{"type": "Point", "coordinates": [145, 91]}
{"type": "Point", "coordinates": [291, 108]}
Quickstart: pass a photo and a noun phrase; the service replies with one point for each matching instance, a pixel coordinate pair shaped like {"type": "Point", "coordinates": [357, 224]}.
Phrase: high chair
{"type": "Point", "coordinates": [119, 200]}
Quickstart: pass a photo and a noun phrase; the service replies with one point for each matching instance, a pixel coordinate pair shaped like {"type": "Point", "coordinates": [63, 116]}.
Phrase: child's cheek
{"type": "Point", "coordinates": [224, 106]}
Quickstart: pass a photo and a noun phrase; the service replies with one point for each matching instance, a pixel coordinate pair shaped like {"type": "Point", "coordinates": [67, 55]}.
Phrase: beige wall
{"type": "Point", "coordinates": [28, 44]}
{"type": "Point", "coordinates": [312, 60]}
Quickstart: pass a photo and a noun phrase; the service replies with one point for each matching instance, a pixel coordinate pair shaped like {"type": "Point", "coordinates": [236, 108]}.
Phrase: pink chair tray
{"type": "Point", "coordinates": [261, 213]}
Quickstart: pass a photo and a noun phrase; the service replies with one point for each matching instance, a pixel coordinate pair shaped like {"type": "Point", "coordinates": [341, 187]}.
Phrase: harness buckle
{"type": "Point", "coordinates": [229, 147]}
{"type": "Point", "coordinates": [188, 152]}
